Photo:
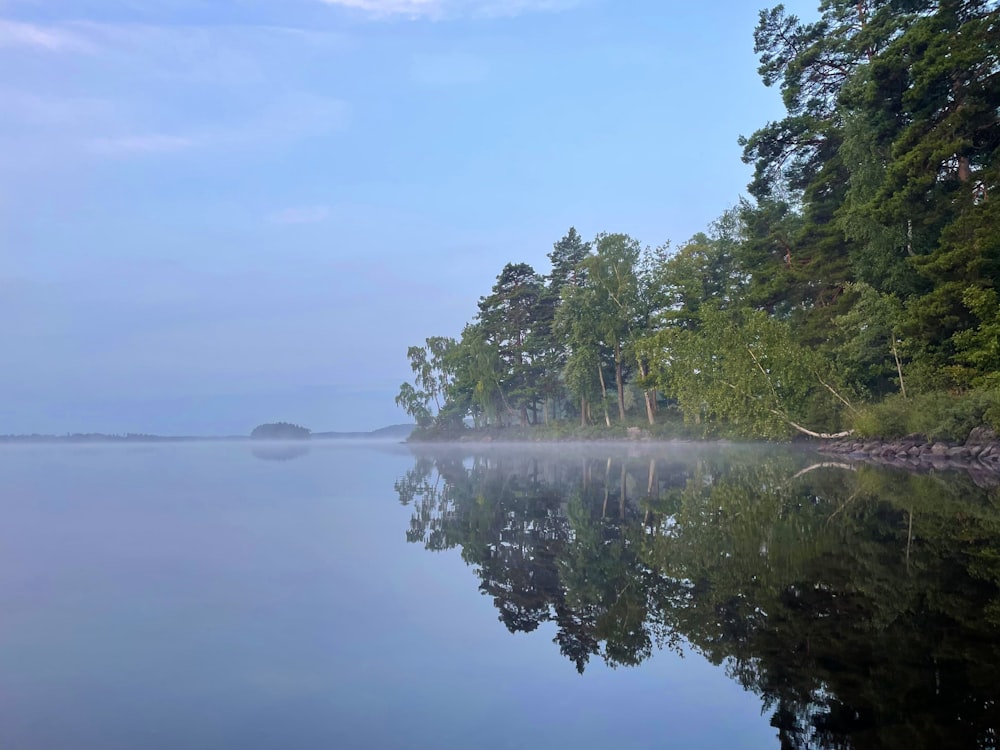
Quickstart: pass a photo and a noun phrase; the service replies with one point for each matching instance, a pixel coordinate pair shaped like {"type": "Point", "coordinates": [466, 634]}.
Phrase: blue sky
{"type": "Point", "coordinates": [215, 213]}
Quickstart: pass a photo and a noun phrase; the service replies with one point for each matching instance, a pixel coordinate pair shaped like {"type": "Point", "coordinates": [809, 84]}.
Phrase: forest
{"type": "Point", "coordinates": [852, 290]}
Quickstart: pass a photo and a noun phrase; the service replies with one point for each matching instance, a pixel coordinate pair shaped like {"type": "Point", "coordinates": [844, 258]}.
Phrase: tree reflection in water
{"type": "Point", "coordinates": [861, 604]}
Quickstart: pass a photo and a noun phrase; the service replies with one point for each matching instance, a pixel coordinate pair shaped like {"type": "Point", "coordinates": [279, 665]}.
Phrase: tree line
{"type": "Point", "coordinates": [862, 266]}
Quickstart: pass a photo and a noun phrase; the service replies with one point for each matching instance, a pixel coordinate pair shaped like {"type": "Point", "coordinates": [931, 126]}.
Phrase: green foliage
{"type": "Point", "coordinates": [475, 389]}
{"type": "Point", "coordinates": [937, 415]}
{"type": "Point", "coordinates": [743, 368]}
{"type": "Point", "coordinates": [414, 403]}
{"type": "Point", "coordinates": [513, 320]}
{"type": "Point", "coordinates": [566, 256]}
{"type": "Point", "coordinates": [433, 369]}
{"type": "Point", "coordinates": [871, 348]}
{"type": "Point", "coordinates": [979, 346]}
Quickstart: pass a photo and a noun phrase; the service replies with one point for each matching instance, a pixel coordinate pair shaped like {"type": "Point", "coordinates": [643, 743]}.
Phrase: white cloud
{"type": "Point", "coordinates": [15, 34]}
{"type": "Point", "coordinates": [440, 9]}
{"type": "Point", "coordinates": [300, 215]}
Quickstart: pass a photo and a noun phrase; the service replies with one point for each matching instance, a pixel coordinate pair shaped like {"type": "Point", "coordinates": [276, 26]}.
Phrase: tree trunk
{"type": "Point", "coordinates": [964, 170]}
{"type": "Point", "coordinates": [604, 397]}
{"type": "Point", "coordinates": [584, 409]}
{"type": "Point", "coordinates": [619, 382]}
{"type": "Point", "coordinates": [650, 410]}
{"type": "Point", "coordinates": [899, 366]}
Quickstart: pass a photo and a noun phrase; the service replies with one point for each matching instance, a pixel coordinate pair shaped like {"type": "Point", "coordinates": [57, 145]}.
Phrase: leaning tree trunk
{"type": "Point", "coordinates": [647, 394]}
{"type": "Point", "coordinates": [604, 396]}
{"type": "Point", "coordinates": [899, 365]}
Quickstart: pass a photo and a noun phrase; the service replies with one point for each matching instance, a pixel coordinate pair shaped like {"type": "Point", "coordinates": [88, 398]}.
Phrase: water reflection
{"type": "Point", "coordinates": [860, 603]}
{"type": "Point", "coordinates": [288, 451]}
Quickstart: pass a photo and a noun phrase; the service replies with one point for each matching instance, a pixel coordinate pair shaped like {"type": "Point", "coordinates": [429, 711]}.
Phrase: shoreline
{"type": "Point", "coordinates": [980, 452]}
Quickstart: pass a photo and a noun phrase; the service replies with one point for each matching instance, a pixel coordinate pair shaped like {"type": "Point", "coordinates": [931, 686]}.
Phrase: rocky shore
{"type": "Point", "coordinates": [980, 451]}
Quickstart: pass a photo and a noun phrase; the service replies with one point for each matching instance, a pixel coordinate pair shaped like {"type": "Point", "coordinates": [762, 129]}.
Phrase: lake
{"type": "Point", "coordinates": [352, 595]}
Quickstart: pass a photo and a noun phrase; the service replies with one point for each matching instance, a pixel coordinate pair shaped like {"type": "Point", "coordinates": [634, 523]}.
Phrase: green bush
{"type": "Point", "coordinates": [888, 419]}
{"type": "Point", "coordinates": [938, 415]}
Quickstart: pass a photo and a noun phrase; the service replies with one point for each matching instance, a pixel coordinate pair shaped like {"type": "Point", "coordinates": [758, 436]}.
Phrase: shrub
{"type": "Point", "coordinates": [939, 415]}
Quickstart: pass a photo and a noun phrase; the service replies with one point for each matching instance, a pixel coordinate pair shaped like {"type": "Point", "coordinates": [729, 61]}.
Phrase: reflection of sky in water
{"type": "Point", "coordinates": [192, 596]}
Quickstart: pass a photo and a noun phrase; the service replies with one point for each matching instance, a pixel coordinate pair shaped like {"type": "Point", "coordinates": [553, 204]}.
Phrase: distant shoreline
{"type": "Point", "coordinates": [392, 432]}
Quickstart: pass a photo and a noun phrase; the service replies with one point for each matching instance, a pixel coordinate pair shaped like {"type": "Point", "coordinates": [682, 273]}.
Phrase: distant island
{"type": "Point", "coordinates": [392, 432]}
{"type": "Point", "coordinates": [280, 431]}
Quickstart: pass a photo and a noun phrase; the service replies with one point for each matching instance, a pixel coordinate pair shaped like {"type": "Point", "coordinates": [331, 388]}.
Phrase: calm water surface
{"type": "Point", "coordinates": [235, 596]}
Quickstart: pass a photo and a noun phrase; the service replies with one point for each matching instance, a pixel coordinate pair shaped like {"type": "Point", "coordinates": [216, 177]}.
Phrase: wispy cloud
{"type": "Point", "coordinates": [20, 35]}
{"type": "Point", "coordinates": [285, 120]}
{"type": "Point", "coordinates": [414, 8]}
{"type": "Point", "coordinates": [131, 145]}
{"type": "Point", "coordinates": [300, 215]}
{"type": "Point", "coordinates": [158, 70]}
{"type": "Point", "coordinates": [56, 128]}
{"type": "Point", "coordinates": [220, 53]}
{"type": "Point", "coordinates": [37, 111]}
{"type": "Point", "coordinates": [443, 9]}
